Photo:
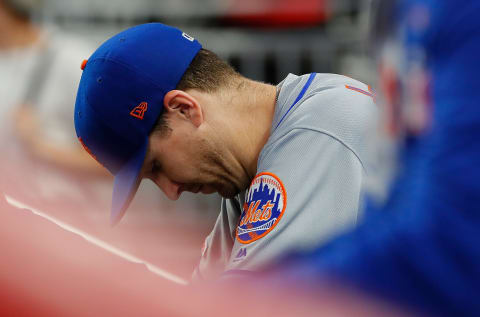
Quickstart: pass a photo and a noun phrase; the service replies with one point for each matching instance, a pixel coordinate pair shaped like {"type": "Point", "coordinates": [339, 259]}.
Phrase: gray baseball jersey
{"type": "Point", "coordinates": [309, 177]}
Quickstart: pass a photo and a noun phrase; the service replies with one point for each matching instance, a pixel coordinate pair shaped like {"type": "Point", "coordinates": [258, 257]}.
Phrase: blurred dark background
{"type": "Point", "coordinates": [265, 40]}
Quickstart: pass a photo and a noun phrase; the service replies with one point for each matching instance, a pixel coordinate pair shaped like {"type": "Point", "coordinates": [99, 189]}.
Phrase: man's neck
{"type": "Point", "coordinates": [16, 33]}
{"type": "Point", "coordinates": [253, 115]}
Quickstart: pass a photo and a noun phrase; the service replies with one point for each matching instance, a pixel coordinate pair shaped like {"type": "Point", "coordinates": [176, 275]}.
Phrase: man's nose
{"type": "Point", "coordinates": [169, 188]}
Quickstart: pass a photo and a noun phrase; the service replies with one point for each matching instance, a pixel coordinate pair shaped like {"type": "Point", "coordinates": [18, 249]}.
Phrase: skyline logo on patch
{"type": "Point", "coordinates": [265, 203]}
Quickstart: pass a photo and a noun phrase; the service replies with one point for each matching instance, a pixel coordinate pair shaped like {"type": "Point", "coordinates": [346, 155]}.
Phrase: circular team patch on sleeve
{"type": "Point", "coordinates": [264, 206]}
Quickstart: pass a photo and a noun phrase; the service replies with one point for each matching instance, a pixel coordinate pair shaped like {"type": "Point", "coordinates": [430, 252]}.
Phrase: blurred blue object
{"type": "Point", "coordinates": [422, 248]}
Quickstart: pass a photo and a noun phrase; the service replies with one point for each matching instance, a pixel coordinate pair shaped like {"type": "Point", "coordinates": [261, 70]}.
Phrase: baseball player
{"type": "Point", "coordinates": [288, 160]}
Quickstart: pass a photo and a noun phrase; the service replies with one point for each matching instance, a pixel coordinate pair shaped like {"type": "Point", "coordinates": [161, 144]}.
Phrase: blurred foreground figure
{"type": "Point", "coordinates": [422, 248]}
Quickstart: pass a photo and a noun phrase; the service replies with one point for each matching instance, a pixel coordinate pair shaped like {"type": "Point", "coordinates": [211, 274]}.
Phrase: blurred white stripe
{"type": "Point", "coordinates": [99, 243]}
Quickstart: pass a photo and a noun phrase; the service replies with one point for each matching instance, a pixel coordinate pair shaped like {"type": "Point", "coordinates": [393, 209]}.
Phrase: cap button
{"type": "Point", "coordinates": [84, 63]}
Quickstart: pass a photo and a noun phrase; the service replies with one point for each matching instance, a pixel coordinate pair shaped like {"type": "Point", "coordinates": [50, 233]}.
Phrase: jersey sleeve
{"type": "Point", "coordinates": [309, 180]}
{"type": "Point", "coordinates": [311, 183]}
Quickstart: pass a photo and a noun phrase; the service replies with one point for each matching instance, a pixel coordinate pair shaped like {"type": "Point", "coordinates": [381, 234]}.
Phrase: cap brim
{"type": "Point", "coordinates": [126, 182]}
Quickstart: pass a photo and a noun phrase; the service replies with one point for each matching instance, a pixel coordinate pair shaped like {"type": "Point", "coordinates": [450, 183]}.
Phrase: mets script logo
{"type": "Point", "coordinates": [264, 206]}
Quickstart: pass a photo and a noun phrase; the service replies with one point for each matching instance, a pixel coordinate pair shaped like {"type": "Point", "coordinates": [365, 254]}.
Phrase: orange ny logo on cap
{"type": "Point", "coordinates": [139, 111]}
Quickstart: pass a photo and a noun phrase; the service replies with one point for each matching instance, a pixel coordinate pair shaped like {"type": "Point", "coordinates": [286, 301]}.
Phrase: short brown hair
{"type": "Point", "coordinates": [207, 72]}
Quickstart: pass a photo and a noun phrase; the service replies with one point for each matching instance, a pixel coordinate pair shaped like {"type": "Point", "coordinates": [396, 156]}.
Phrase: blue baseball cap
{"type": "Point", "coordinates": [120, 98]}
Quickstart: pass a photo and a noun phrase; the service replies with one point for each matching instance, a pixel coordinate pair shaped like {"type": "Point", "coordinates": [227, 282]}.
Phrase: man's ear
{"type": "Point", "coordinates": [183, 104]}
